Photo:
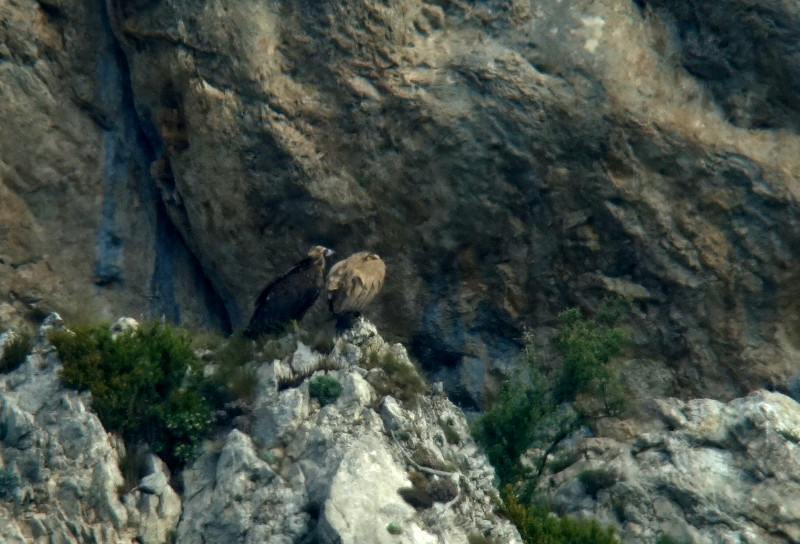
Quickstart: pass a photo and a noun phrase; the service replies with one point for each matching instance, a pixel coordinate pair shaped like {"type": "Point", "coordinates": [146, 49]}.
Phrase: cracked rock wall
{"type": "Point", "coordinates": [507, 159]}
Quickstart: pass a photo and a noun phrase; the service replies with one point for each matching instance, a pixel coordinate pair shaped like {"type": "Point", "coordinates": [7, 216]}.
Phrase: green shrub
{"type": "Point", "coordinates": [562, 461]}
{"type": "Point", "coordinates": [524, 416]}
{"type": "Point", "coordinates": [234, 370]}
{"type": "Point", "coordinates": [394, 528]}
{"type": "Point", "coordinates": [146, 385]}
{"type": "Point", "coordinates": [667, 539]}
{"type": "Point", "coordinates": [268, 457]}
{"type": "Point", "coordinates": [326, 389]}
{"type": "Point", "coordinates": [537, 411]}
{"type": "Point", "coordinates": [399, 379]}
{"type": "Point", "coordinates": [15, 351]}
{"type": "Point", "coordinates": [586, 346]}
{"type": "Point", "coordinates": [537, 526]}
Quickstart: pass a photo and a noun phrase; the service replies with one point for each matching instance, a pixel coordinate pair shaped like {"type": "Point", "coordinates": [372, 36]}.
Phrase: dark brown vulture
{"type": "Point", "coordinates": [352, 284]}
{"type": "Point", "coordinates": [289, 296]}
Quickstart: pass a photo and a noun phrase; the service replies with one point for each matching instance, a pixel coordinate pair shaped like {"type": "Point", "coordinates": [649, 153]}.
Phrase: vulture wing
{"type": "Point", "coordinates": [354, 282]}
{"type": "Point", "coordinates": [287, 297]}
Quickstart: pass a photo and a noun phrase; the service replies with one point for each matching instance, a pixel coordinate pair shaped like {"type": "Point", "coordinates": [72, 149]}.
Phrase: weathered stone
{"type": "Point", "coordinates": [392, 414]}
{"type": "Point", "coordinates": [83, 228]}
{"type": "Point", "coordinates": [365, 489]}
{"type": "Point", "coordinates": [339, 463]}
{"type": "Point", "coordinates": [69, 480]}
{"type": "Point", "coordinates": [356, 390]}
{"type": "Point", "coordinates": [122, 325]}
{"type": "Point", "coordinates": [707, 473]}
{"type": "Point", "coordinates": [642, 149]}
{"type": "Point", "coordinates": [304, 361]}
{"type": "Point", "coordinates": [273, 422]}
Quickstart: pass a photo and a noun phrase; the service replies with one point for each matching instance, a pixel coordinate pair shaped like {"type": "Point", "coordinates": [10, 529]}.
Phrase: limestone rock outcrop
{"type": "Point", "coordinates": [301, 471]}
{"type": "Point", "coordinates": [59, 474]}
{"type": "Point", "coordinates": [334, 472]}
{"type": "Point", "coordinates": [507, 159]}
{"type": "Point", "coordinates": [703, 472]}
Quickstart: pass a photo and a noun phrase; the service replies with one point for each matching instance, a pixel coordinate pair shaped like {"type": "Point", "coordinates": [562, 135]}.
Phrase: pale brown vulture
{"type": "Point", "coordinates": [352, 284]}
{"type": "Point", "coordinates": [289, 296]}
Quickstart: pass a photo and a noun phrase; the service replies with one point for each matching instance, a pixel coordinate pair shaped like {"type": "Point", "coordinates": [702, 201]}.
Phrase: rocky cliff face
{"type": "Point", "coordinates": [701, 471]}
{"type": "Point", "coordinates": [370, 467]}
{"type": "Point", "coordinates": [60, 479]}
{"type": "Point", "coordinates": [298, 472]}
{"type": "Point", "coordinates": [83, 227]}
{"type": "Point", "coordinates": [506, 158]}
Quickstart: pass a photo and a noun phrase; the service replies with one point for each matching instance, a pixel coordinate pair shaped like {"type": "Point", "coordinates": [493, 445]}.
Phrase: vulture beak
{"type": "Point", "coordinates": [328, 252]}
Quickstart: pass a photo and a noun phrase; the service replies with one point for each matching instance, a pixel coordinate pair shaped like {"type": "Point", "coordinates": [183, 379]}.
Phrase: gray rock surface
{"type": "Point", "coordinates": [59, 476]}
{"type": "Point", "coordinates": [333, 472]}
{"type": "Point", "coordinates": [370, 467]}
{"type": "Point", "coordinates": [701, 471]}
{"type": "Point", "coordinates": [83, 227]}
{"type": "Point", "coordinates": [329, 473]}
{"type": "Point", "coordinates": [506, 158]}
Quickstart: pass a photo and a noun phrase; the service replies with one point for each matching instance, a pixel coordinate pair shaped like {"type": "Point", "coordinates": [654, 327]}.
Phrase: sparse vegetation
{"type": "Point", "coordinates": [326, 389]}
{"type": "Point", "coordinates": [562, 461]}
{"type": "Point", "coordinates": [276, 346]}
{"type": "Point", "coordinates": [537, 411]}
{"type": "Point", "coordinates": [586, 346]}
{"type": "Point", "coordinates": [394, 528]}
{"type": "Point", "coordinates": [267, 456]}
{"type": "Point", "coordinates": [526, 415]}
{"type": "Point", "coordinates": [15, 351]}
{"type": "Point", "coordinates": [233, 363]}
{"type": "Point", "coordinates": [132, 465]}
{"type": "Point", "coordinates": [399, 378]}
{"type": "Point", "coordinates": [424, 490]}
{"type": "Point", "coordinates": [537, 526]}
{"type": "Point", "coordinates": [667, 539]}
{"type": "Point", "coordinates": [450, 434]}
{"type": "Point", "coordinates": [146, 384]}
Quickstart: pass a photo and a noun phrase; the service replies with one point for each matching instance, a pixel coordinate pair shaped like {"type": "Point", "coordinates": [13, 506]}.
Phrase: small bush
{"type": "Point", "coordinates": [268, 457]}
{"type": "Point", "coordinates": [145, 385]}
{"type": "Point", "coordinates": [524, 416]}
{"type": "Point", "coordinates": [562, 461]}
{"type": "Point", "coordinates": [394, 528]}
{"type": "Point", "coordinates": [276, 346]}
{"type": "Point", "coordinates": [587, 345]}
{"type": "Point", "coordinates": [425, 491]}
{"type": "Point", "coordinates": [537, 526]}
{"type": "Point", "coordinates": [15, 351]}
{"type": "Point", "coordinates": [326, 389]}
{"type": "Point", "coordinates": [232, 369]}
{"type": "Point", "coordinates": [399, 379]}
{"type": "Point", "coordinates": [9, 483]}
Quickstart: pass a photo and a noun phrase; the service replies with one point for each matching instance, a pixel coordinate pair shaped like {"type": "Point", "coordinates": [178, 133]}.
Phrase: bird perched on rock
{"type": "Point", "coordinates": [352, 284]}
{"type": "Point", "coordinates": [289, 296]}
